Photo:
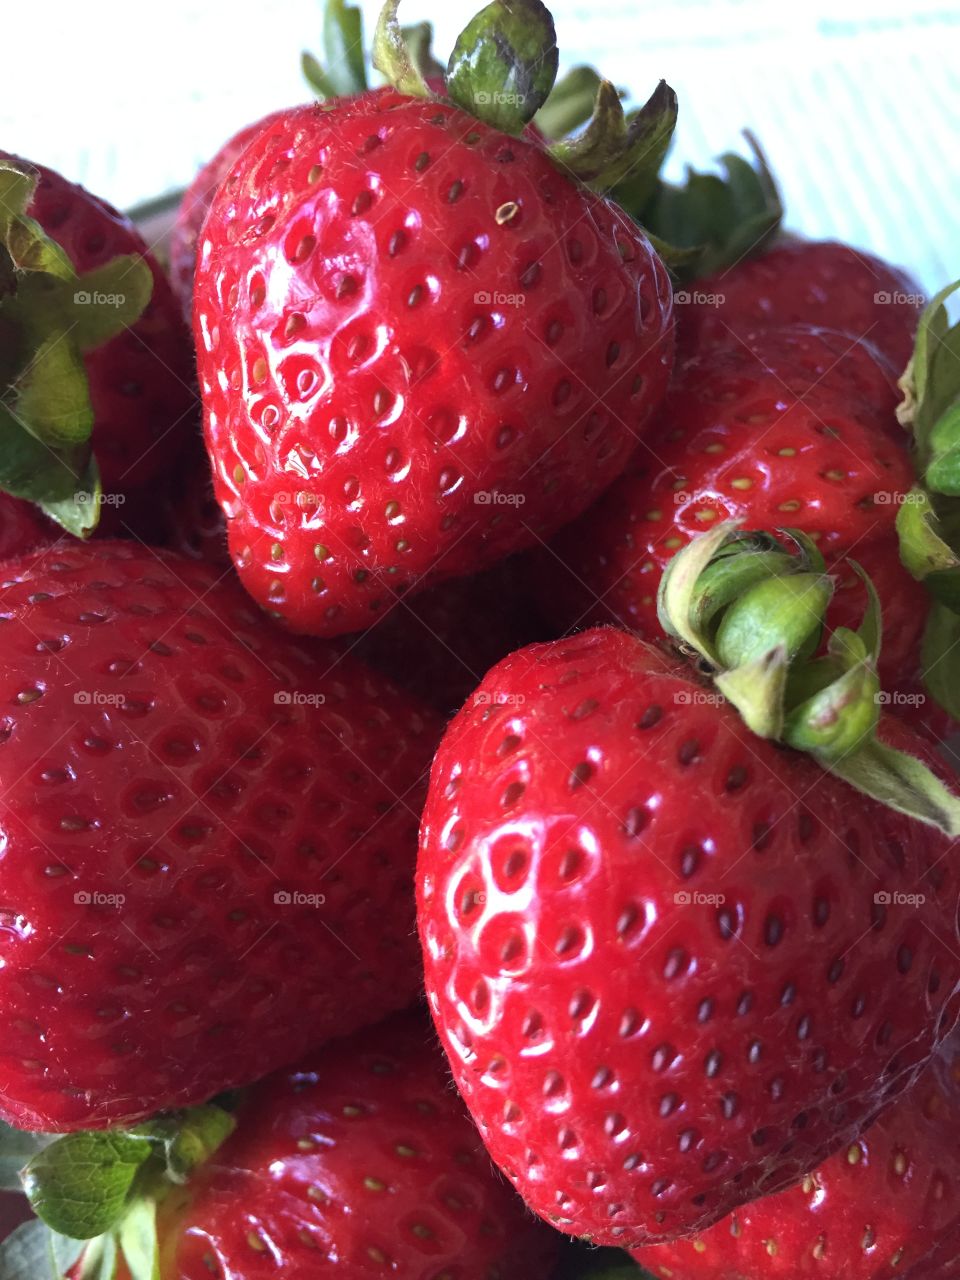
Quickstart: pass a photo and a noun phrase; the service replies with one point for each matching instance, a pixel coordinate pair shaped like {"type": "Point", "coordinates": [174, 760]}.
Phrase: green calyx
{"type": "Point", "coordinates": [753, 611]}
{"type": "Point", "coordinates": [716, 220]}
{"type": "Point", "coordinates": [95, 1193]}
{"type": "Point", "coordinates": [50, 317]}
{"type": "Point", "coordinates": [928, 521]}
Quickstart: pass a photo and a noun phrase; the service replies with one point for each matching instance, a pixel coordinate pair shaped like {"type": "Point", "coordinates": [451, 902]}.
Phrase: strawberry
{"type": "Point", "coordinates": [794, 427]}
{"type": "Point", "coordinates": [22, 527]}
{"type": "Point", "coordinates": [804, 282]}
{"type": "Point", "coordinates": [885, 1206]}
{"type": "Point", "coordinates": [208, 837]}
{"type": "Point", "coordinates": [360, 1160]}
{"type": "Point", "coordinates": [140, 381]}
{"type": "Point", "coordinates": [386, 350]}
{"type": "Point", "coordinates": [657, 947]}
{"type": "Point", "coordinates": [190, 519]}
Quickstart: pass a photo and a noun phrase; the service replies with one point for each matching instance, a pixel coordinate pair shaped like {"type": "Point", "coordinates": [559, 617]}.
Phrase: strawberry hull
{"type": "Point", "coordinates": [674, 967]}
{"type": "Point", "coordinates": [421, 348]}
{"type": "Point", "coordinates": [209, 835]}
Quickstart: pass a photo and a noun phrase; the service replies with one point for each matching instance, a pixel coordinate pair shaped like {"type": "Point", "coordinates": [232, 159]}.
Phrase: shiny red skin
{"type": "Point", "coordinates": [359, 1162]}
{"type": "Point", "coordinates": [196, 201]}
{"type": "Point", "coordinates": [142, 381]}
{"type": "Point", "coordinates": [817, 282]}
{"type": "Point", "coordinates": [885, 1208]}
{"type": "Point", "coordinates": [361, 405]}
{"type": "Point", "coordinates": [23, 527]}
{"type": "Point", "coordinates": [198, 798]}
{"type": "Point", "coordinates": [727, 418]}
{"type": "Point", "coordinates": [636, 1068]}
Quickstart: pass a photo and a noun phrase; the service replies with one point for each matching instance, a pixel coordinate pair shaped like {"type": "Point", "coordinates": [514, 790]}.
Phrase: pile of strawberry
{"type": "Point", "coordinates": [665, 502]}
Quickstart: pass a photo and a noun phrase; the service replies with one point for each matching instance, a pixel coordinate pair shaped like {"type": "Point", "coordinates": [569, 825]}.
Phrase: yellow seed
{"type": "Point", "coordinates": [699, 1246]}
{"type": "Point", "coordinates": [314, 174]}
{"type": "Point", "coordinates": [900, 1164]}
{"type": "Point", "coordinates": [792, 505]}
{"type": "Point", "coordinates": [742, 482]}
{"type": "Point", "coordinates": [771, 1247]}
{"type": "Point", "coordinates": [259, 370]}
{"type": "Point", "coordinates": [374, 1184]}
{"type": "Point", "coordinates": [820, 1248]}
{"type": "Point", "coordinates": [506, 213]}
{"type": "Point", "coordinates": [786, 453]}
{"type": "Point", "coordinates": [655, 514]}
{"type": "Point", "coordinates": [256, 1243]}
{"type": "Point", "coordinates": [276, 551]}
{"type": "Point", "coordinates": [716, 447]}
{"type": "Point", "coordinates": [351, 1112]}
{"type": "Point", "coordinates": [706, 515]}
{"type": "Point", "coordinates": [854, 1154]}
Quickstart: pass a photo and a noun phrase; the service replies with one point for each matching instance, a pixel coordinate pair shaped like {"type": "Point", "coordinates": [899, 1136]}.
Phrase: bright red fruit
{"type": "Point", "coordinates": [208, 839]}
{"type": "Point", "coordinates": [196, 201]}
{"type": "Point", "coordinates": [804, 282]}
{"type": "Point", "coordinates": [141, 382]}
{"type": "Point", "coordinates": [885, 1206]}
{"type": "Point", "coordinates": [792, 428]}
{"type": "Point", "coordinates": [358, 1162]}
{"type": "Point", "coordinates": [659, 950]}
{"type": "Point", "coordinates": [387, 347]}
{"type": "Point", "coordinates": [22, 527]}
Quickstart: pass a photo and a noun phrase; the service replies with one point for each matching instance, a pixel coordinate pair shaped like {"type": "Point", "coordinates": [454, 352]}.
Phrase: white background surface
{"type": "Point", "coordinates": [857, 102]}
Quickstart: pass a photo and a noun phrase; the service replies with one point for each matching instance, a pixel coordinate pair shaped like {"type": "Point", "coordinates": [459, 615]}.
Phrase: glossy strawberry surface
{"type": "Point", "coordinates": [673, 965]}
{"type": "Point", "coordinates": [360, 1161]}
{"type": "Point", "coordinates": [792, 428]}
{"type": "Point", "coordinates": [421, 347]}
{"type": "Point", "coordinates": [196, 201]}
{"type": "Point", "coordinates": [22, 527]}
{"type": "Point", "coordinates": [208, 835]}
{"type": "Point", "coordinates": [141, 382]}
{"type": "Point", "coordinates": [887, 1207]}
{"type": "Point", "coordinates": [818, 282]}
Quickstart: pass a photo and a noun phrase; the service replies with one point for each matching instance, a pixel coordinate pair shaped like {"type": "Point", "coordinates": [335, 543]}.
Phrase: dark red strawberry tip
{"type": "Point", "coordinates": [620, 892]}
{"type": "Point", "coordinates": [208, 838]}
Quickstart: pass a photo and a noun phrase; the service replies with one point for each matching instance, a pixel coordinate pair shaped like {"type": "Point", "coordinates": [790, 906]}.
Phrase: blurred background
{"type": "Point", "coordinates": [856, 102]}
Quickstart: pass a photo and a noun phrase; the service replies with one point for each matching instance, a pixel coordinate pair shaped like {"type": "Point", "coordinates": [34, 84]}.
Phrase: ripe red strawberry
{"type": "Point", "coordinates": [22, 527]}
{"type": "Point", "coordinates": [360, 1161]}
{"type": "Point", "coordinates": [658, 949]}
{"type": "Point", "coordinates": [885, 1206]}
{"type": "Point", "coordinates": [804, 282]}
{"type": "Point", "coordinates": [141, 382]}
{"type": "Point", "coordinates": [386, 351]}
{"type": "Point", "coordinates": [795, 428]}
{"type": "Point", "coordinates": [182, 786]}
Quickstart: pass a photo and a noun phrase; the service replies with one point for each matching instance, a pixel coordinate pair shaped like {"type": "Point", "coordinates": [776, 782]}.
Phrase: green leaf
{"type": "Point", "coordinates": [316, 77]}
{"type": "Point", "coordinates": [725, 218]}
{"type": "Point", "coordinates": [504, 63]}
{"type": "Point", "coordinates": [79, 1185]}
{"type": "Point", "coordinates": [16, 1148]}
{"type": "Point", "coordinates": [34, 1252]}
{"type": "Point", "coordinates": [343, 47]}
{"type": "Point", "coordinates": [137, 1237]}
{"type": "Point", "coordinates": [618, 153]}
{"type": "Point", "coordinates": [570, 103]}
{"type": "Point", "coordinates": [110, 299]}
{"type": "Point", "coordinates": [50, 398]}
{"type": "Point", "coordinates": [941, 658]}
{"type": "Point", "coordinates": [392, 57]}
{"type": "Point", "coordinates": [32, 470]}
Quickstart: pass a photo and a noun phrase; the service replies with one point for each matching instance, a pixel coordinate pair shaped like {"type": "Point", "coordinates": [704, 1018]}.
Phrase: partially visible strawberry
{"type": "Point", "coordinates": [189, 517]}
{"type": "Point", "coordinates": [386, 351]}
{"type": "Point", "coordinates": [359, 1162]}
{"type": "Point", "coordinates": [886, 1206]}
{"type": "Point", "coordinates": [22, 527]}
{"type": "Point", "coordinates": [141, 382]}
{"type": "Point", "coordinates": [441, 643]}
{"type": "Point", "coordinates": [208, 838]}
{"type": "Point", "coordinates": [791, 427]}
{"type": "Point", "coordinates": [657, 947]}
{"type": "Point", "coordinates": [804, 282]}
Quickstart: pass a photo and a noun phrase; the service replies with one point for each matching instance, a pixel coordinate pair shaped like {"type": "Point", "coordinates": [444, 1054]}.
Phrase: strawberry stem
{"type": "Point", "coordinates": [755, 615]}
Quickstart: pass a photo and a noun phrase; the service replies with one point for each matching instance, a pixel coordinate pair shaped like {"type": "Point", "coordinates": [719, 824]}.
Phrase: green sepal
{"type": "Point", "coordinates": [316, 77]}
{"type": "Point", "coordinates": [100, 1259]}
{"type": "Point", "coordinates": [343, 47]}
{"type": "Point", "coordinates": [720, 219]}
{"type": "Point", "coordinates": [137, 1239]}
{"type": "Point", "coordinates": [760, 644]}
{"type": "Point", "coordinates": [570, 103]}
{"type": "Point", "coordinates": [931, 381]}
{"type": "Point", "coordinates": [504, 63]}
{"type": "Point", "coordinates": [940, 658]}
{"type": "Point", "coordinates": [190, 1137]}
{"type": "Point", "coordinates": [613, 149]}
{"type": "Point", "coordinates": [79, 1186]}
{"type": "Point", "coordinates": [34, 1252]}
{"type": "Point", "coordinates": [392, 57]}
{"type": "Point", "coordinates": [419, 40]}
